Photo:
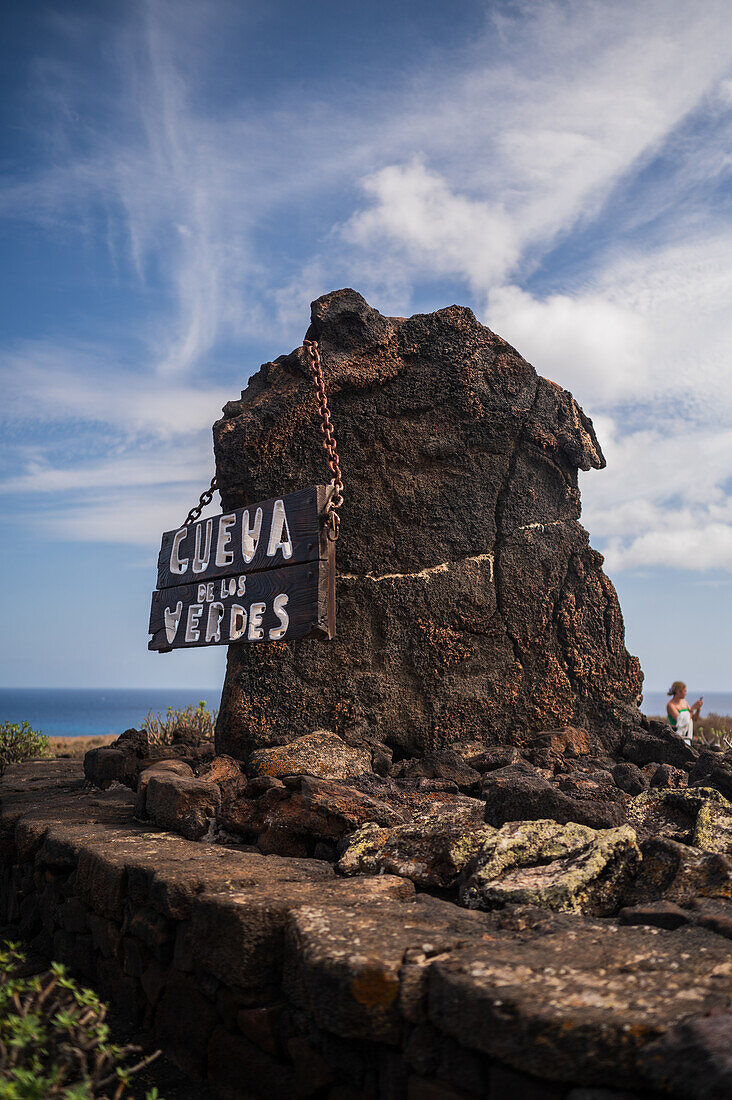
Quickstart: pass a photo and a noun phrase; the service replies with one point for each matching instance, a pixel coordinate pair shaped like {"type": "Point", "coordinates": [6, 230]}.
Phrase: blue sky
{"type": "Point", "coordinates": [179, 181]}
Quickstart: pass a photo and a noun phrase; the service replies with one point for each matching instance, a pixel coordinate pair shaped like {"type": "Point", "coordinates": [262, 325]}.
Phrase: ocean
{"type": "Point", "coordinates": [70, 712]}
{"type": "Point", "coordinates": [715, 702]}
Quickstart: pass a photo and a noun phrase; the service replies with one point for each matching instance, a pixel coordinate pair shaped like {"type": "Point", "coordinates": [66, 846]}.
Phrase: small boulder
{"type": "Point", "coordinates": [679, 873]}
{"type": "Point", "coordinates": [107, 765]}
{"type": "Point", "coordinates": [668, 778]}
{"type": "Point", "coordinates": [567, 868]}
{"type": "Point", "coordinates": [561, 742]}
{"type": "Point", "coordinates": [658, 745]}
{"type": "Point", "coordinates": [713, 828]}
{"type": "Point", "coordinates": [489, 760]}
{"type": "Point", "coordinates": [183, 805]}
{"type": "Point", "coordinates": [431, 850]}
{"type": "Point", "coordinates": [445, 764]}
{"type": "Point", "coordinates": [158, 768]}
{"type": "Point", "coordinates": [671, 813]}
{"type": "Point", "coordinates": [222, 769]}
{"type": "Point", "coordinates": [320, 753]}
{"type": "Point", "coordinates": [718, 776]}
{"type": "Point", "coordinates": [519, 793]}
{"type": "Point", "coordinates": [629, 778]}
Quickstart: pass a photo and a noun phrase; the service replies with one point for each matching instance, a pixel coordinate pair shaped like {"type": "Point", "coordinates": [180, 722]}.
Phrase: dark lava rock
{"type": "Point", "coordinates": [659, 745]}
{"type": "Point", "coordinates": [469, 600]}
{"type": "Point", "coordinates": [580, 1006]}
{"type": "Point", "coordinates": [491, 759]}
{"type": "Point", "coordinates": [668, 778]}
{"type": "Point", "coordinates": [133, 752]}
{"type": "Point", "coordinates": [679, 873]}
{"type": "Point", "coordinates": [550, 745]}
{"type": "Point", "coordinates": [431, 850]}
{"type": "Point", "coordinates": [445, 764]}
{"type": "Point", "coordinates": [184, 805]}
{"type": "Point", "coordinates": [519, 793]}
{"type": "Point", "coordinates": [719, 776]}
{"type": "Point", "coordinates": [629, 778]}
{"type": "Point", "coordinates": [563, 867]}
{"type": "Point", "coordinates": [294, 816]}
{"type": "Point", "coordinates": [319, 753]}
{"type": "Point", "coordinates": [693, 1059]}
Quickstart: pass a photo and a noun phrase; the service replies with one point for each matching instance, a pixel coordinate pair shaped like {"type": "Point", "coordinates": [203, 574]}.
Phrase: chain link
{"type": "Point", "coordinates": [329, 443]}
{"type": "Point", "coordinates": [205, 498]}
{"type": "Point", "coordinates": [329, 440]}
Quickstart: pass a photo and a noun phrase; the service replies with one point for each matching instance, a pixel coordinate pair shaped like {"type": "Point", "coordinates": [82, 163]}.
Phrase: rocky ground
{"type": "Point", "coordinates": [526, 921]}
{"type": "Point", "coordinates": [642, 837]}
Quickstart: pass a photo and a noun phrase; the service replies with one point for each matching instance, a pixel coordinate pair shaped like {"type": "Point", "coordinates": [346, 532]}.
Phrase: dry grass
{"type": "Point", "coordinates": [199, 721]}
{"type": "Point", "coordinates": [73, 748]}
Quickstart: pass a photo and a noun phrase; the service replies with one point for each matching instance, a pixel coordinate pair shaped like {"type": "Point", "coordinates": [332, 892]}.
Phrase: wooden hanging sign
{"type": "Point", "coordinates": [261, 573]}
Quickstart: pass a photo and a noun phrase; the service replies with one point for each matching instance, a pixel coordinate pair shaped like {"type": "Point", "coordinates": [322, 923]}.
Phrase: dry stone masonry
{"type": "Point", "coordinates": [278, 977]}
{"type": "Point", "coordinates": [470, 605]}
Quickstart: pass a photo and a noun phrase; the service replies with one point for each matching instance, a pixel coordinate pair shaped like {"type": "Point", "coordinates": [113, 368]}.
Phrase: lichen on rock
{"type": "Point", "coordinates": [431, 850]}
{"type": "Point", "coordinates": [320, 753]}
{"type": "Point", "coordinates": [567, 868]}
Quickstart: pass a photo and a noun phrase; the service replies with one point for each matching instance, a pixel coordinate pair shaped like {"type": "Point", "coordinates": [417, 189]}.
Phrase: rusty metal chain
{"type": "Point", "coordinates": [205, 498]}
{"type": "Point", "coordinates": [329, 440]}
{"type": "Point", "coordinates": [333, 520]}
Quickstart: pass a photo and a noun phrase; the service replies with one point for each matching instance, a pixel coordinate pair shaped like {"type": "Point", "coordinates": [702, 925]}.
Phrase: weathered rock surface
{"type": "Point", "coordinates": [431, 850]}
{"type": "Point", "coordinates": [293, 817]}
{"type": "Point", "coordinates": [470, 605]}
{"type": "Point", "coordinates": [187, 805]}
{"type": "Point", "coordinates": [658, 745]}
{"type": "Point", "coordinates": [568, 868]}
{"type": "Point", "coordinates": [680, 873]}
{"type": "Point", "coordinates": [675, 813]}
{"type": "Point", "coordinates": [126, 758]}
{"type": "Point", "coordinates": [318, 753]}
{"type": "Point", "coordinates": [694, 1058]}
{"type": "Point", "coordinates": [273, 974]}
{"type": "Point", "coordinates": [519, 792]}
{"type": "Point", "coordinates": [590, 997]}
{"type": "Point", "coordinates": [718, 775]}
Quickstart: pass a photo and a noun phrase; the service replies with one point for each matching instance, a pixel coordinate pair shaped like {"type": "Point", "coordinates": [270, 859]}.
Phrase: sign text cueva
{"type": "Point", "coordinates": [261, 573]}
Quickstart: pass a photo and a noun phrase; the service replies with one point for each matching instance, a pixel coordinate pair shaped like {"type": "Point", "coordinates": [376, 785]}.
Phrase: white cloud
{"type": "Point", "coordinates": [449, 233]}
{"type": "Point", "coordinates": [590, 345]}
{"type": "Point", "coordinates": [124, 516]}
{"type": "Point", "coordinates": [469, 170]}
{"type": "Point", "coordinates": [56, 381]}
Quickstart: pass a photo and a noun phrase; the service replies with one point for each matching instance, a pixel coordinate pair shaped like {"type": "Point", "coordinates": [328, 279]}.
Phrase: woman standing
{"type": "Point", "coordinates": [681, 717]}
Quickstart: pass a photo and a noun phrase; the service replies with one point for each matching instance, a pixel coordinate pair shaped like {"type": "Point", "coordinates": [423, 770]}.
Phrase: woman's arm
{"type": "Point", "coordinates": [696, 708]}
{"type": "Point", "coordinates": [672, 709]}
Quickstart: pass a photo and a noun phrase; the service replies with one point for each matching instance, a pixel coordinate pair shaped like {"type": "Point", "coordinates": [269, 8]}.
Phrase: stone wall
{"type": "Point", "coordinates": [470, 604]}
{"type": "Point", "coordinates": [266, 976]}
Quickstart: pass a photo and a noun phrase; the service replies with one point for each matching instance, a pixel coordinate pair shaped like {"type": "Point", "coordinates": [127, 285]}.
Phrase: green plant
{"type": "Point", "coordinates": [198, 720]}
{"type": "Point", "coordinates": [20, 742]}
{"type": "Point", "coordinates": [54, 1042]}
{"type": "Point", "coordinates": [715, 729]}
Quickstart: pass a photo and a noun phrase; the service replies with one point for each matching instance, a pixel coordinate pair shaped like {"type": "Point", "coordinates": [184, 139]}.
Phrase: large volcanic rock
{"type": "Point", "coordinates": [470, 604]}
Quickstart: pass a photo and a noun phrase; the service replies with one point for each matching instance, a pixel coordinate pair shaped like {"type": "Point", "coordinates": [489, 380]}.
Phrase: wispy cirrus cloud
{"type": "Point", "coordinates": [562, 169]}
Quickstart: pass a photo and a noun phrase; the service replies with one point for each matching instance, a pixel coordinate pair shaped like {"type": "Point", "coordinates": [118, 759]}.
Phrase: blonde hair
{"type": "Point", "coordinates": [677, 687]}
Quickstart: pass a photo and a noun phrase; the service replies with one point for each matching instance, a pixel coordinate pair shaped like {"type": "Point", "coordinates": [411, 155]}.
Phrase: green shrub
{"type": "Point", "coordinates": [54, 1042]}
{"type": "Point", "coordinates": [20, 742]}
{"type": "Point", "coordinates": [199, 721]}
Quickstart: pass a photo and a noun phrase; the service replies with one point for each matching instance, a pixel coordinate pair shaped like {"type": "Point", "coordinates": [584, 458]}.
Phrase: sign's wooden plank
{"type": "Point", "coordinates": [271, 605]}
{"type": "Point", "coordinates": [284, 531]}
